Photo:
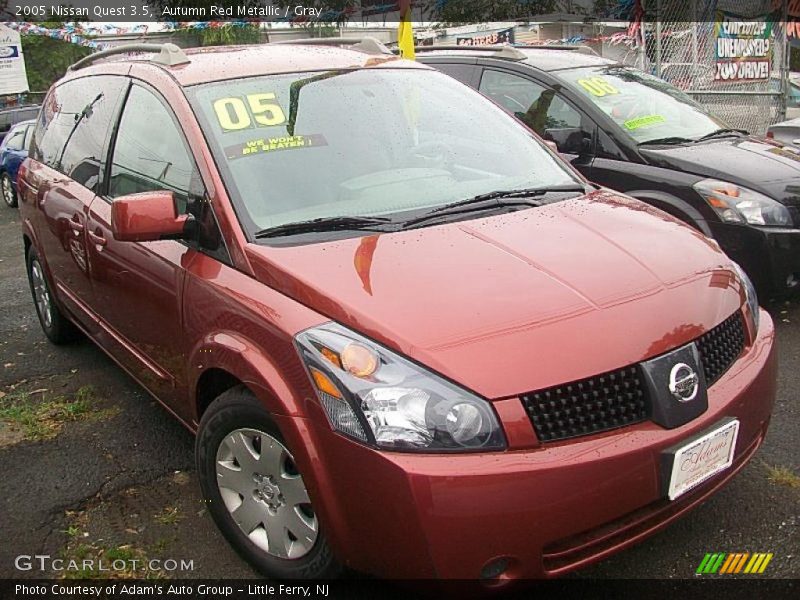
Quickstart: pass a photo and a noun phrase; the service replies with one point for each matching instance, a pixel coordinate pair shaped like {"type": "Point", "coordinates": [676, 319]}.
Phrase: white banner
{"type": "Point", "coordinates": [13, 78]}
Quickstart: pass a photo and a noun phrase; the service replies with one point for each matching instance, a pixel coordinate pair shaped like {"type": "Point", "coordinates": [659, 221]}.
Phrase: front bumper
{"type": "Point", "coordinates": [547, 510]}
{"type": "Point", "coordinates": [770, 255]}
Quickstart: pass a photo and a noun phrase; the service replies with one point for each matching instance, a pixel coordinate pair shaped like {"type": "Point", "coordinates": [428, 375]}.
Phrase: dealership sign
{"type": "Point", "coordinates": [743, 48]}
{"type": "Point", "coordinates": [483, 39]}
{"type": "Point", "coordinates": [13, 79]}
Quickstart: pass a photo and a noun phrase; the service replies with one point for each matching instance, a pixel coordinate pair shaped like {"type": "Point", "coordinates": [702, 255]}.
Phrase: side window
{"type": "Point", "coordinates": [16, 139]}
{"type": "Point", "coordinates": [73, 126]}
{"type": "Point", "coordinates": [464, 73]}
{"type": "Point", "coordinates": [540, 108]}
{"type": "Point", "coordinates": [150, 153]}
{"type": "Point", "coordinates": [83, 150]}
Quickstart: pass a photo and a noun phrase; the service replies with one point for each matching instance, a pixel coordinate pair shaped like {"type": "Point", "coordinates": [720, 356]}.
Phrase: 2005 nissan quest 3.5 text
{"type": "Point", "coordinates": [411, 340]}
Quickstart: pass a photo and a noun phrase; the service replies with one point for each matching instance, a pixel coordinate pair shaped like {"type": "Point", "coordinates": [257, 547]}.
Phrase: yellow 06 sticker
{"type": "Point", "coordinates": [598, 86]}
{"type": "Point", "coordinates": [235, 113]}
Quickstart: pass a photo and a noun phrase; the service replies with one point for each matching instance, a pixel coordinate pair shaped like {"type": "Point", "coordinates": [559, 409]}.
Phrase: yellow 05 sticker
{"type": "Point", "coordinates": [235, 113]}
{"type": "Point", "coordinates": [598, 86]}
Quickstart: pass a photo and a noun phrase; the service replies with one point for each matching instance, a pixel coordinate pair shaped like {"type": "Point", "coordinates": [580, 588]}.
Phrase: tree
{"type": "Point", "coordinates": [478, 11]}
{"type": "Point", "coordinates": [220, 36]}
{"type": "Point", "coordinates": [47, 59]}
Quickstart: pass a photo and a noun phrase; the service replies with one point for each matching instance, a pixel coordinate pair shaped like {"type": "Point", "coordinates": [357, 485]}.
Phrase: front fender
{"type": "Point", "coordinates": [241, 357]}
{"type": "Point", "coordinates": [675, 206]}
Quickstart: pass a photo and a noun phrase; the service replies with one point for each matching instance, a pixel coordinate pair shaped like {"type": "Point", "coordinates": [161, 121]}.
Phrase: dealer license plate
{"type": "Point", "coordinates": [702, 458]}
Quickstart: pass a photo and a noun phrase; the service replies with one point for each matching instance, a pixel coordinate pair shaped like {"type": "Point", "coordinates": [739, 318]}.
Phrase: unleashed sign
{"type": "Point", "coordinates": [743, 48]}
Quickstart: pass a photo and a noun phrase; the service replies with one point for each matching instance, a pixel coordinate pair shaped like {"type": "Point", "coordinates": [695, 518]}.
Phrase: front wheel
{"type": "Point", "coordinates": [9, 195]}
{"type": "Point", "coordinates": [255, 492]}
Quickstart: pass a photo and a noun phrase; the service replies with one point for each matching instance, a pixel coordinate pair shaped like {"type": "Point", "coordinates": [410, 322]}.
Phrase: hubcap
{"type": "Point", "coordinates": [41, 294]}
{"type": "Point", "coordinates": [264, 493]}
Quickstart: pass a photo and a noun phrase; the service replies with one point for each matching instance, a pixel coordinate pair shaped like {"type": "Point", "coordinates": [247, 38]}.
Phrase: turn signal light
{"type": "Point", "coordinates": [324, 384]}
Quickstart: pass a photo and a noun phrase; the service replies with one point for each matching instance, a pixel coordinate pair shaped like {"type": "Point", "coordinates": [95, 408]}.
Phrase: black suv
{"type": "Point", "coordinates": [637, 134]}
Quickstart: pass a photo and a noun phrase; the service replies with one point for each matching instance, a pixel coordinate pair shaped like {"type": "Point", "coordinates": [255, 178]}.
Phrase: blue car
{"type": "Point", "coordinates": [13, 151]}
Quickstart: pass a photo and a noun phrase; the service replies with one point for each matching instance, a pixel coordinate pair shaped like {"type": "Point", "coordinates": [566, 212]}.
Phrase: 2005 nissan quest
{"type": "Point", "coordinates": [411, 340]}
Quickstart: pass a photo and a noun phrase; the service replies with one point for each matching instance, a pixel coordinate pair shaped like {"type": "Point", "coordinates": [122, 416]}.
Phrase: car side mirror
{"type": "Point", "coordinates": [147, 217]}
{"type": "Point", "coordinates": [570, 140]}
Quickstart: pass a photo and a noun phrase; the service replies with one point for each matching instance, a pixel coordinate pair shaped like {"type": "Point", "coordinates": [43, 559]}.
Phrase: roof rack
{"type": "Point", "coordinates": [367, 44]}
{"type": "Point", "coordinates": [168, 54]}
{"type": "Point", "coordinates": [507, 52]}
{"type": "Point", "coordinates": [510, 52]}
{"type": "Point", "coordinates": [573, 47]}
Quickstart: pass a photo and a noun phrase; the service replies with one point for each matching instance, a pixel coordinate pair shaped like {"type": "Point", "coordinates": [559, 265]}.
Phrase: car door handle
{"type": "Point", "coordinates": [97, 238]}
{"type": "Point", "coordinates": [75, 224]}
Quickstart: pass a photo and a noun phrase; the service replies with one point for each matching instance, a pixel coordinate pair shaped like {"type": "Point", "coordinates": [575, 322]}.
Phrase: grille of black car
{"type": "Point", "coordinates": [721, 346]}
{"type": "Point", "coordinates": [620, 398]}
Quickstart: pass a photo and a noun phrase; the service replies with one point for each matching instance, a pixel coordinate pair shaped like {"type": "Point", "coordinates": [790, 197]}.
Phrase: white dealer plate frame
{"type": "Point", "coordinates": [692, 464]}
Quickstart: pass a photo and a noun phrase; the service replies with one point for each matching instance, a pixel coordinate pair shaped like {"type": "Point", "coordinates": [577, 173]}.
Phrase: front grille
{"type": "Point", "coordinates": [620, 398]}
{"type": "Point", "coordinates": [720, 347]}
{"type": "Point", "coordinates": [600, 403]}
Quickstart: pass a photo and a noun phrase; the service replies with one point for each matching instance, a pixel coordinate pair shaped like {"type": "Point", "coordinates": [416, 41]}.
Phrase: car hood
{"type": "Point", "coordinates": [512, 302]}
{"type": "Point", "coordinates": [747, 161]}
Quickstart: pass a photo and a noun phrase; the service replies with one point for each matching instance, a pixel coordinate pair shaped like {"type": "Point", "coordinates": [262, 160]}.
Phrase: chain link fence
{"type": "Point", "coordinates": [681, 47]}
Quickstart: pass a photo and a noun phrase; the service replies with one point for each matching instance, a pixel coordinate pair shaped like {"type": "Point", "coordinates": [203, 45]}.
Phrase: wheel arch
{"type": "Point", "coordinates": [224, 360]}
{"type": "Point", "coordinates": [675, 206]}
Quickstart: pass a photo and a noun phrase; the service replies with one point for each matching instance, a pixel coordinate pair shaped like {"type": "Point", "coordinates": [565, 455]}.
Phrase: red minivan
{"type": "Point", "coordinates": [410, 339]}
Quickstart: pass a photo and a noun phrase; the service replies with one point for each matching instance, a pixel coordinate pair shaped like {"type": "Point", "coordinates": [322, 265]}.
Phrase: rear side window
{"type": "Point", "coordinates": [150, 153]}
{"type": "Point", "coordinates": [15, 140]}
{"type": "Point", "coordinates": [74, 126]}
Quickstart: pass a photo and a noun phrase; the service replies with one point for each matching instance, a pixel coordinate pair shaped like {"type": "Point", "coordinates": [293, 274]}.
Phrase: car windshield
{"type": "Point", "coordinates": [644, 107]}
{"type": "Point", "coordinates": [369, 142]}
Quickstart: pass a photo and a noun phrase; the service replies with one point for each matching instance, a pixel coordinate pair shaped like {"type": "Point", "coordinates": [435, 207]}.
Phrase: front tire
{"type": "Point", "coordinates": [58, 328]}
{"type": "Point", "coordinates": [9, 195]}
{"type": "Point", "coordinates": [255, 492]}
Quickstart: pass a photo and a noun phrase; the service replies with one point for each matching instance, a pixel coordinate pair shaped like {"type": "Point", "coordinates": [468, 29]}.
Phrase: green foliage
{"type": "Point", "coordinates": [321, 30]}
{"type": "Point", "coordinates": [479, 11]}
{"type": "Point", "coordinates": [219, 36]}
{"type": "Point", "coordinates": [47, 59]}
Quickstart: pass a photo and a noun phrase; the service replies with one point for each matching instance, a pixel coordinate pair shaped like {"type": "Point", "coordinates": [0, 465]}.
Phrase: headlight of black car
{"type": "Point", "coordinates": [737, 204]}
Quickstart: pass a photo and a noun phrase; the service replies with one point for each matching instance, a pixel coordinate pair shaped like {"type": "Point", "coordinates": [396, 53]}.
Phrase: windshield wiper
{"type": "Point", "coordinates": [324, 224]}
{"type": "Point", "coordinates": [667, 141]}
{"type": "Point", "coordinates": [723, 131]}
{"type": "Point", "coordinates": [492, 200]}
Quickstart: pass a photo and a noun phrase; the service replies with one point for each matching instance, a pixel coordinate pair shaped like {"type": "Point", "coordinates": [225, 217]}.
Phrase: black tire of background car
{"type": "Point", "coordinates": [234, 409]}
{"type": "Point", "coordinates": [11, 199]}
{"type": "Point", "coordinates": [61, 329]}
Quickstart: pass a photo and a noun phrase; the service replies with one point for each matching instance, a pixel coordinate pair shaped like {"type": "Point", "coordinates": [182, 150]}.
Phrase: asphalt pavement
{"type": "Point", "coordinates": [91, 466]}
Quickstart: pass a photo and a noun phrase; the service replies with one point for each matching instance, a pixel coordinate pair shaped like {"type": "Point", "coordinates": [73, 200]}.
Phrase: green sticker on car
{"type": "Point", "coordinates": [646, 121]}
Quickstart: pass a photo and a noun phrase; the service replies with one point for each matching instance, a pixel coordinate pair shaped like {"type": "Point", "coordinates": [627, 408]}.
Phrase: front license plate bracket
{"type": "Point", "coordinates": [693, 461]}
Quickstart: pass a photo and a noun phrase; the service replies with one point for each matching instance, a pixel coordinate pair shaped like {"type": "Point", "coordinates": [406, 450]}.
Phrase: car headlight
{"type": "Point", "coordinates": [376, 396]}
{"type": "Point", "coordinates": [750, 293]}
{"type": "Point", "coordinates": [737, 204]}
